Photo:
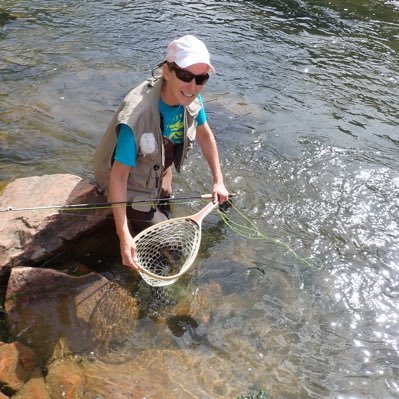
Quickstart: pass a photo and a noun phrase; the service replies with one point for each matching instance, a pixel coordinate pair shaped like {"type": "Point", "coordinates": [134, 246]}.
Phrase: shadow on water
{"type": "Point", "coordinates": [6, 17]}
{"type": "Point", "coordinates": [96, 251]}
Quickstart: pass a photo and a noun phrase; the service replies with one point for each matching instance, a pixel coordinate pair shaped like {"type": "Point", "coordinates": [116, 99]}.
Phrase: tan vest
{"type": "Point", "coordinates": [140, 111]}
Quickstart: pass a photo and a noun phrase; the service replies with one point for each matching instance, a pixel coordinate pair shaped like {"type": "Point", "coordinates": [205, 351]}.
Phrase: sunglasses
{"type": "Point", "coordinates": [187, 76]}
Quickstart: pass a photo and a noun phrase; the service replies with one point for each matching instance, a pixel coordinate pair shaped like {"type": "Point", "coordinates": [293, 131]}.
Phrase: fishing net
{"type": "Point", "coordinates": [168, 249]}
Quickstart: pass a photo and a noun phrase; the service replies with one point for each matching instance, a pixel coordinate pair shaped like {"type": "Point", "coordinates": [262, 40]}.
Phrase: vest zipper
{"type": "Point", "coordinates": [156, 169]}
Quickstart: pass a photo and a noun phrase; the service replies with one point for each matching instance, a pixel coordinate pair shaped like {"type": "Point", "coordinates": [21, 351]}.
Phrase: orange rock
{"type": "Point", "coordinates": [65, 379]}
{"type": "Point", "coordinates": [34, 388]}
{"type": "Point", "coordinates": [16, 365]}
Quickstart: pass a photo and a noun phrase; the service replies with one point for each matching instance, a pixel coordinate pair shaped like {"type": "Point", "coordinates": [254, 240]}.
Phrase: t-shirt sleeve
{"type": "Point", "coordinates": [201, 117]}
{"type": "Point", "coordinates": [126, 146]}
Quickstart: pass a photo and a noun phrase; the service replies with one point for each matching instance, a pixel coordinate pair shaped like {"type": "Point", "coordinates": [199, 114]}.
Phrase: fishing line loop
{"type": "Point", "coordinates": [250, 231]}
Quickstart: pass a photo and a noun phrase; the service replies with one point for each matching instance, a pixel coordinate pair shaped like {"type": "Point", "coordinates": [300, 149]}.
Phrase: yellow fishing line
{"type": "Point", "coordinates": [250, 231]}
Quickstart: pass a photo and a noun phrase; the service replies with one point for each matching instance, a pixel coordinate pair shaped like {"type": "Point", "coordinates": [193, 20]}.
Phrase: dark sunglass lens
{"type": "Point", "coordinates": [183, 75]}
{"type": "Point", "coordinates": [201, 79]}
{"type": "Point", "coordinates": [187, 76]}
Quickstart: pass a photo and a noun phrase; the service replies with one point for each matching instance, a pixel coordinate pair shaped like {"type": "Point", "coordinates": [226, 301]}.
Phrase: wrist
{"type": "Point", "coordinates": [123, 232]}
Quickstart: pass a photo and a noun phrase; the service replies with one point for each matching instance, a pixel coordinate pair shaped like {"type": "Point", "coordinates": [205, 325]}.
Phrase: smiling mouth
{"type": "Point", "coordinates": [187, 94]}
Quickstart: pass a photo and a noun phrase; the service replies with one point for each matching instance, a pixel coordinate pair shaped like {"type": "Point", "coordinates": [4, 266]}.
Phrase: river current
{"type": "Point", "coordinates": [304, 105]}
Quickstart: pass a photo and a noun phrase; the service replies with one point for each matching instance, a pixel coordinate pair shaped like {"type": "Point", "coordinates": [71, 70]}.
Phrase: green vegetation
{"type": "Point", "coordinates": [255, 395]}
{"type": "Point", "coordinates": [3, 185]}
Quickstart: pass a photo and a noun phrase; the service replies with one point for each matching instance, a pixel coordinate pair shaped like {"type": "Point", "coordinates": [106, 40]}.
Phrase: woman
{"type": "Point", "coordinates": [153, 128]}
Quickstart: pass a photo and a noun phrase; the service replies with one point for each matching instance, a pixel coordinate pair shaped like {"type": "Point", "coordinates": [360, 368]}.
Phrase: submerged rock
{"type": "Point", "coordinates": [47, 308]}
{"type": "Point", "coordinates": [34, 388]}
{"type": "Point", "coordinates": [166, 374]}
{"type": "Point", "coordinates": [65, 379]}
{"type": "Point", "coordinates": [6, 17]}
{"type": "Point", "coordinates": [16, 365]}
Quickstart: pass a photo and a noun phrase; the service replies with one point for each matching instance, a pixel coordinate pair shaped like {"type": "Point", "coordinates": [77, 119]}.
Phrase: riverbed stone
{"type": "Point", "coordinates": [16, 365]}
{"type": "Point", "coordinates": [199, 306]}
{"type": "Point", "coordinates": [35, 388]}
{"type": "Point", "coordinates": [166, 374]}
{"type": "Point", "coordinates": [88, 313]}
{"type": "Point", "coordinates": [31, 236]}
{"type": "Point", "coordinates": [65, 380]}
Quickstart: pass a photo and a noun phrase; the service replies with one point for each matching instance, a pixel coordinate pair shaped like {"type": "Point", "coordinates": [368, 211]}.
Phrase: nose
{"type": "Point", "coordinates": [192, 84]}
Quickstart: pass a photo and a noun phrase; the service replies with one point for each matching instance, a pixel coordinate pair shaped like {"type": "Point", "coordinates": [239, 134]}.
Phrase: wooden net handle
{"type": "Point", "coordinates": [206, 210]}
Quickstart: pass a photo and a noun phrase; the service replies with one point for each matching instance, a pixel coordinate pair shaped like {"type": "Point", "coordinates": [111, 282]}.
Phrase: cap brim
{"type": "Point", "coordinates": [191, 61]}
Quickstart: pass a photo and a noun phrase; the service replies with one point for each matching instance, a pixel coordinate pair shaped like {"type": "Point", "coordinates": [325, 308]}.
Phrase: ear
{"type": "Point", "coordinates": [166, 71]}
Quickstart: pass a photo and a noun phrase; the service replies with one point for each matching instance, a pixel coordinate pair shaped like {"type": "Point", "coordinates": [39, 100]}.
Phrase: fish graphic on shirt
{"type": "Point", "coordinates": [176, 131]}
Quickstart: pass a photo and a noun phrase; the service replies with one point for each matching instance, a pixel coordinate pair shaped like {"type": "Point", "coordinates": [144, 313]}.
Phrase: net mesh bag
{"type": "Point", "coordinates": [167, 251]}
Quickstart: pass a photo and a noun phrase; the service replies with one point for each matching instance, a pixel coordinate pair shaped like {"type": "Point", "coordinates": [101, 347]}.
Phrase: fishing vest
{"type": "Point", "coordinates": [140, 111]}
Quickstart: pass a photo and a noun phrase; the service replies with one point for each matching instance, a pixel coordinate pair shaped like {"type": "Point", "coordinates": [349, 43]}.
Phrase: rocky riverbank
{"type": "Point", "coordinates": [63, 333]}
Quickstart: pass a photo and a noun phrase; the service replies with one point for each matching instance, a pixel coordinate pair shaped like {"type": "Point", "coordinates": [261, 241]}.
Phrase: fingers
{"type": "Point", "coordinates": [135, 266]}
{"type": "Point", "coordinates": [129, 255]}
{"type": "Point", "coordinates": [215, 197]}
{"type": "Point", "coordinates": [220, 194]}
{"type": "Point", "coordinates": [223, 197]}
{"type": "Point", "coordinates": [130, 262]}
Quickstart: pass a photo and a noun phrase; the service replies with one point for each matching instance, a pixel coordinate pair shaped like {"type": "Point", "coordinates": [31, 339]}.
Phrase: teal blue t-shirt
{"type": "Point", "coordinates": [172, 127]}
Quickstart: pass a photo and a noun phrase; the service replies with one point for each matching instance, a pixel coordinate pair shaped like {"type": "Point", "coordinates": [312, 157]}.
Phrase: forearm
{"type": "Point", "coordinates": [118, 193]}
{"type": "Point", "coordinates": [207, 142]}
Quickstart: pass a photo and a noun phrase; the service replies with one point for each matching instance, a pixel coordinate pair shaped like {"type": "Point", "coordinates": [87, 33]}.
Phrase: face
{"type": "Point", "coordinates": [175, 91]}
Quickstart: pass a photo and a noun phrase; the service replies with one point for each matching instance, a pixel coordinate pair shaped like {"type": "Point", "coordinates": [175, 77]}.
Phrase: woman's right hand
{"type": "Point", "coordinates": [128, 252]}
{"type": "Point", "coordinates": [118, 193]}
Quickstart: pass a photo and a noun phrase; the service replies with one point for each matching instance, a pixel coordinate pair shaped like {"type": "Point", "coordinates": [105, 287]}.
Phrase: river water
{"type": "Point", "coordinates": [304, 105]}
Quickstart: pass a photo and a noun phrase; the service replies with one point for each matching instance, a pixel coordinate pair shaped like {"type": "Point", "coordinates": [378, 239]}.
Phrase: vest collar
{"type": "Point", "coordinates": [194, 108]}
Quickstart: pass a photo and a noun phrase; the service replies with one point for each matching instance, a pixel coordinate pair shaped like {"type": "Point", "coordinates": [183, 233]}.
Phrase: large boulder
{"type": "Point", "coordinates": [31, 236]}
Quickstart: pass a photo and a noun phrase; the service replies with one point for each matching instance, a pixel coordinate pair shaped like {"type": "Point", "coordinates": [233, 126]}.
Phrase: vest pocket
{"type": "Point", "coordinates": [148, 145]}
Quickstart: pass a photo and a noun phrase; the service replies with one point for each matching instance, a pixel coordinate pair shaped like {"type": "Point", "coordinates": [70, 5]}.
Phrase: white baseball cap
{"type": "Point", "coordinates": [188, 50]}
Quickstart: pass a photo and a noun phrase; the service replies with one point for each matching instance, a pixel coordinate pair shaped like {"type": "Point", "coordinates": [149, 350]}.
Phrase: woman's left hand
{"type": "Point", "coordinates": [219, 193]}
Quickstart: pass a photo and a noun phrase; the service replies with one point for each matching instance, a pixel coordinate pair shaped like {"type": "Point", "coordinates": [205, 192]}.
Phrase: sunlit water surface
{"type": "Point", "coordinates": [305, 109]}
